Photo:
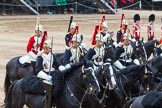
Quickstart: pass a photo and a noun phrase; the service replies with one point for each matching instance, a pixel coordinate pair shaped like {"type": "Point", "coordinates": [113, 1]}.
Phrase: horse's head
{"type": "Point", "coordinates": [140, 51]}
{"type": "Point", "coordinates": [109, 50]}
{"type": "Point", "coordinates": [88, 75]}
{"type": "Point", "coordinates": [156, 42]}
{"type": "Point", "coordinates": [106, 71]}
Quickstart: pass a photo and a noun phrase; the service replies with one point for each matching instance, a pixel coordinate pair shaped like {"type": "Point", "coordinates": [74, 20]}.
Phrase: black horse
{"type": "Point", "coordinates": [155, 69]}
{"type": "Point", "coordinates": [79, 81]}
{"type": "Point", "coordinates": [15, 71]}
{"type": "Point", "coordinates": [104, 79]}
{"type": "Point", "coordinates": [150, 100]}
{"type": "Point", "coordinates": [150, 47]}
{"type": "Point", "coordinates": [127, 85]}
{"type": "Point", "coordinates": [140, 51]}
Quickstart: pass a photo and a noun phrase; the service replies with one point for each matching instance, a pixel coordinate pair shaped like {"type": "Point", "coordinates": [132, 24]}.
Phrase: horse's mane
{"type": "Point", "coordinates": [156, 61]}
{"type": "Point", "coordinates": [150, 43]}
{"type": "Point", "coordinates": [132, 69]}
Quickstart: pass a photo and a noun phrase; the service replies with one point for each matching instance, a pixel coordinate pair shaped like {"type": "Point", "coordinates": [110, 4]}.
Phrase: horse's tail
{"type": "Point", "coordinates": [8, 98]}
{"type": "Point", "coordinates": [128, 104]}
{"type": "Point", "coordinates": [7, 83]}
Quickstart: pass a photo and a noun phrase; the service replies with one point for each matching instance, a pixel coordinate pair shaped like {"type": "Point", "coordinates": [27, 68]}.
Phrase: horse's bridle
{"type": "Point", "coordinates": [77, 100]}
{"type": "Point", "coordinates": [92, 72]}
{"type": "Point", "coordinates": [100, 100]}
{"type": "Point", "coordinates": [85, 91]}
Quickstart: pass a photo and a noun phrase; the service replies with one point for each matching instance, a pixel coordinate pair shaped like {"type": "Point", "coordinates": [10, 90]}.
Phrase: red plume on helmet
{"type": "Point", "coordinates": [102, 20]}
{"type": "Point", "coordinates": [94, 34]}
{"type": "Point", "coordinates": [43, 39]}
{"type": "Point", "coordinates": [121, 23]}
{"type": "Point", "coordinates": [76, 30]}
{"type": "Point", "coordinates": [97, 28]}
{"type": "Point", "coordinates": [122, 18]}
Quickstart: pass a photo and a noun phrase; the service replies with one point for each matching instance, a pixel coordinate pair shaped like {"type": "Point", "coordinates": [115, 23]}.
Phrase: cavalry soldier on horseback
{"type": "Point", "coordinates": [70, 34]}
{"type": "Point", "coordinates": [34, 45]}
{"type": "Point", "coordinates": [47, 62]}
{"type": "Point", "coordinates": [123, 28]}
{"type": "Point", "coordinates": [97, 55]}
{"type": "Point", "coordinates": [72, 31]}
{"type": "Point", "coordinates": [74, 53]}
{"type": "Point", "coordinates": [150, 27]}
{"type": "Point", "coordinates": [107, 36]}
{"type": "Point", "coordinates": [124, 54]}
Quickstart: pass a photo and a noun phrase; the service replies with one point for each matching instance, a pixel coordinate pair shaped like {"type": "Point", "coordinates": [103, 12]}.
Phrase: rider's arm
{"type": "Point", "coordinates": [66, 57]}
{"type": "Point", "coordinates": [119, 50]}
{"type": "Point", "coordinates": [90, 54]}
{"type": "Point", "coordinates": [56, 64]}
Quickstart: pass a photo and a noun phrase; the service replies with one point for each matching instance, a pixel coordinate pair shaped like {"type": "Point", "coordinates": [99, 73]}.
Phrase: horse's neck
{"type": "Point", "coordinates": [99, 72]}
{"type": "Point", "coordinates": [77, 86]}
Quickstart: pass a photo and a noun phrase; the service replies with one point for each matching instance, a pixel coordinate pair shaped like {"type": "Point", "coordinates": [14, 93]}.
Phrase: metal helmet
{"type": "Point", "coordinates": [104, 24]}
{"type": "Point", "coordinates": [48, 44]}
{"type": "Point", "coordinates": [73, 25]}
{"type": "Point", "coordinates": [126, 36]}
{"type": "Point", "coordinates": [124, 22]}
{"type": "Point", "coordinates": [99, 37]}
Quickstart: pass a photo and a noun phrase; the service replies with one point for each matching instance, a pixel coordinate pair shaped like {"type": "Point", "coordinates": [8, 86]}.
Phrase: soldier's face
{"type": "Point", "coordinates": [151, 22]}
{"type": "Point", "coordinates": [38, 33]}
{"type": "Point", "coordinates": [126, 41]}
{"type": "Point", "coordinates": [46, 50]}
{"type": "Point", "coordinates": [72, 30]}
{"type": "Point", "coordinates": [99, 43]}
{"type": "Point", "coordinates": [104, 28]}
{"type": "Point", "coordinates": [137, 22]}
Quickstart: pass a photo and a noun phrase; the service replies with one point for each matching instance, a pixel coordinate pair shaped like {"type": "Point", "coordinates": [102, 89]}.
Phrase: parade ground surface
{"type": "Point", "coordinates": [16, 30]}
